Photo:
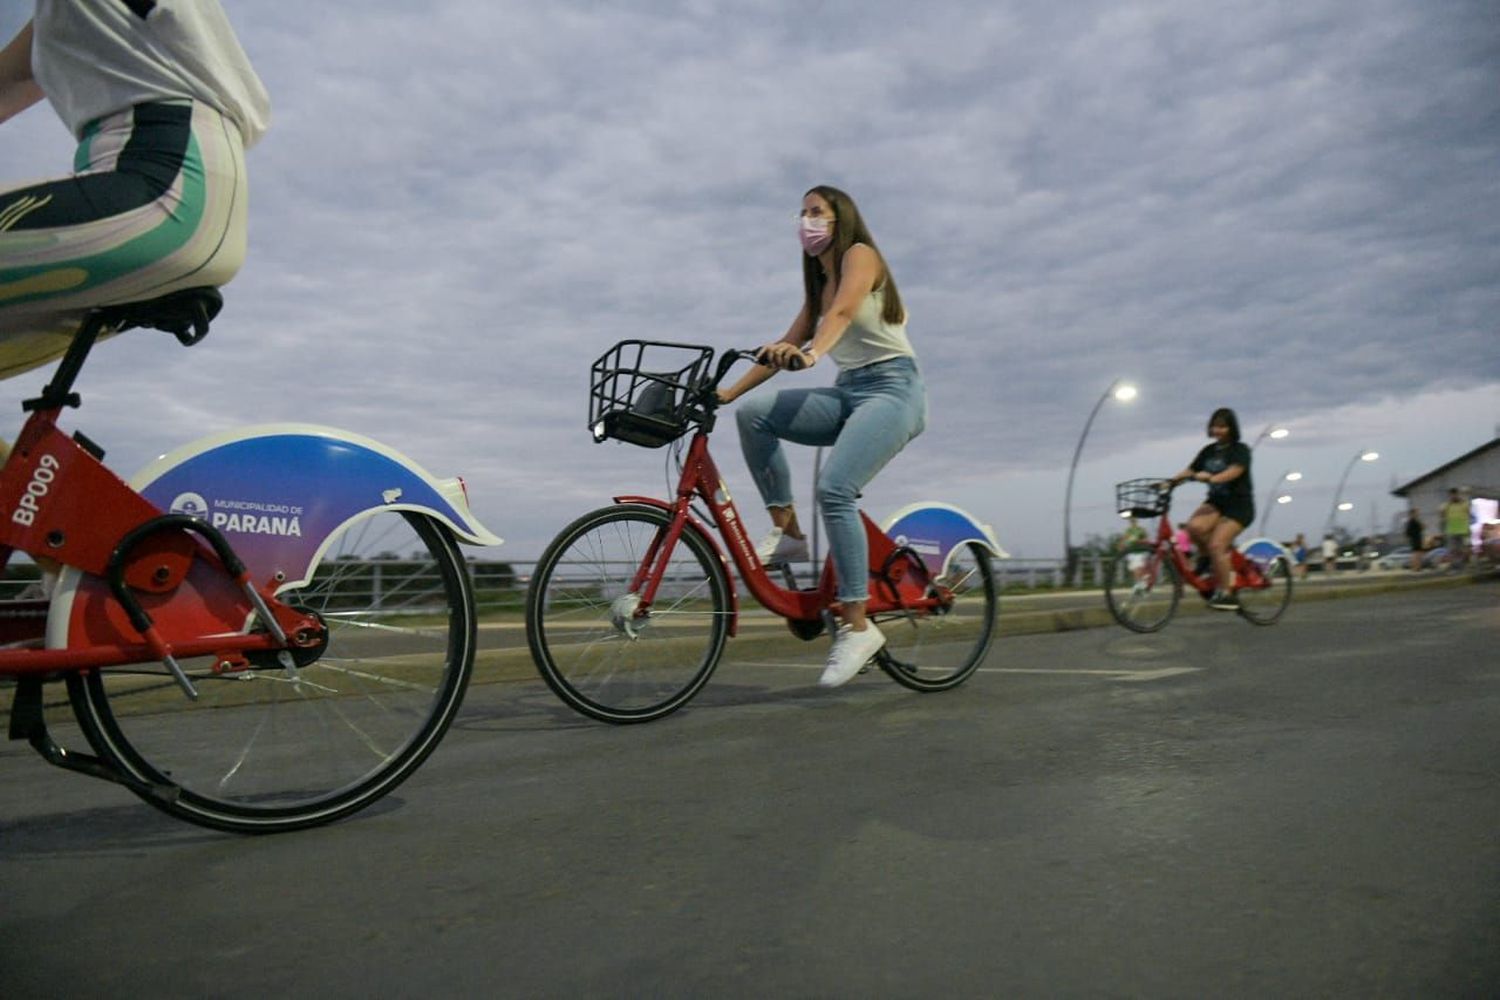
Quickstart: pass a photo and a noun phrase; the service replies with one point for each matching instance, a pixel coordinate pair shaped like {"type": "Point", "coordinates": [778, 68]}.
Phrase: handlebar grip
{"type": "Point", "coordinates": [796, 364]}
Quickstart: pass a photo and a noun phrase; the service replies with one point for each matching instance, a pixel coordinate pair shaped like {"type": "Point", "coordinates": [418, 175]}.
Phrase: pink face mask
{"type": "Point", "coordinates": [815, 234]}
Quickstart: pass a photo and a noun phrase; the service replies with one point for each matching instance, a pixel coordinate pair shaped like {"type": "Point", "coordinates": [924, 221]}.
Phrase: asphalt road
{"type": "Point", "coordinates": [1214, 810]}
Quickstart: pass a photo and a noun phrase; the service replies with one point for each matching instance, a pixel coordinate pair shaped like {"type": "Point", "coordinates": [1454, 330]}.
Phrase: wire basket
{"type": "Point", "coordinates": [1142, 497]}
{"type": "Point", "coordinates": [643, 391]}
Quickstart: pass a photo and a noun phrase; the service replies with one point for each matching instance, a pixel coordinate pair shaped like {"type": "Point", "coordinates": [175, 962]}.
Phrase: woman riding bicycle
{"type": "Point", "coordinates": [163, 103]}
{"type": "Point", "coordinates": [852, 313]}
{"type": "Point", "coordinates": [1230, 505]}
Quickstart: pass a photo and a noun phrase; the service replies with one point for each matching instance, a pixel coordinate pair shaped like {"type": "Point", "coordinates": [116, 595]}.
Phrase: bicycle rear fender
{"type": "Point", "coordinates": [278, 493]}
{"type": "Point", "coordinates": [935, 530]}
{"type": "Point", "coordinates": [693, 524]}
{"type": "Point", "coordinates": [1263, 550]}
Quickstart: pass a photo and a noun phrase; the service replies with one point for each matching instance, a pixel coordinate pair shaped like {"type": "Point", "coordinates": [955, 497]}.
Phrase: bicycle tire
{"type": "Point", "coordinates": [938, 651]}
{"type": "Point", "coordinates": [588, 647]}
{"type": "Point", "coordinates": [1265, 605]}
{"type": "Point", "coordinates": [259, 752]}
{"type": "Point", "coordinates": [1145, 603]}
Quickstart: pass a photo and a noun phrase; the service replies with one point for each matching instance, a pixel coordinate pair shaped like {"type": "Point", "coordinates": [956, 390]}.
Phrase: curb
{"type": "Point", "coordinates": [1098, 616]}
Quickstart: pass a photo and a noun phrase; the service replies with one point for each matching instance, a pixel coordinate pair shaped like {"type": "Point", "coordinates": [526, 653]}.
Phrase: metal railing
{"type": "Point", "coordinates": [389, 585]}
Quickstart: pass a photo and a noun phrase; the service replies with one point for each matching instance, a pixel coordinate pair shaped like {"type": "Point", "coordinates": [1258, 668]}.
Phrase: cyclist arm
{"type": "Point", "coordinates": [1229, 475]}
{"type": "Point", "coordinates": [795, 336]}
{"type": "Point", "coordinates": [18, 89]}
{"type": "Point", "coordinates": [861, 270]}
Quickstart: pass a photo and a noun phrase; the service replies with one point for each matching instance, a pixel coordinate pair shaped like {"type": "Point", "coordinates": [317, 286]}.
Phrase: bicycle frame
{"type": "Point", "coordinates": [58, 501]}
{"type": "Point", "coordinates": [1247, 576]}
{"type": "Point", "coordinates": [901, 581]}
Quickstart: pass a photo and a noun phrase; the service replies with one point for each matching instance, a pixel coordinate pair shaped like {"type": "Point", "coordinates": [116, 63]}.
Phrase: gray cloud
{"type": "Point", "coordinates": [1285, 207]}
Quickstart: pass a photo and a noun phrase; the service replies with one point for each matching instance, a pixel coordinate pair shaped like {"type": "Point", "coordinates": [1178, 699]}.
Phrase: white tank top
{"type": "Point", "coordinates": [96, 57]}
{"type": "Point", "coordinates": [870, 338]}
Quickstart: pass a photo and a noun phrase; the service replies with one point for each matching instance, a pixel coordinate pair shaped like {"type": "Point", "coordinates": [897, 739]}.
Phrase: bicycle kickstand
{"type": "Point", "coordinates": [28, 722]}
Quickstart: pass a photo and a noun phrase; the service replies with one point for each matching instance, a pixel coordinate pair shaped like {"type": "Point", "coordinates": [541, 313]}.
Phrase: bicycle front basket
{"type": "Point", "coordinates": [641, 391]}
{"type": "Point", "coordinates": [1142, 497]}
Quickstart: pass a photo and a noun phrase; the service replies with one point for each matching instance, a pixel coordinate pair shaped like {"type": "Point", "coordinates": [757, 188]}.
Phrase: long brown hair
{"type": "Point", "coordinates": [849, 228]}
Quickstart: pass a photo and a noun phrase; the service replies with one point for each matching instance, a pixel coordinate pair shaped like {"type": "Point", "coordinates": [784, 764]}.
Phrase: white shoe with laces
{"type": "Point", "coordinates": [779, 547]}
{"type": "Point", "coordinates": [851, 651]}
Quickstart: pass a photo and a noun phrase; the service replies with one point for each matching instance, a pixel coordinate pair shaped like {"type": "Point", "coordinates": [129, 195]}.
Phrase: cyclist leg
{"type": "Point", "coordinates": [888, 410]}
{"type": "Point", "coordinates": [1221, 544]}
{"type": "Point", "coordinates": [1200, 525]}
{"type": "Point", "coordinates": [157, 204]}
{"type": "Point", "coordinates": [803, 416]}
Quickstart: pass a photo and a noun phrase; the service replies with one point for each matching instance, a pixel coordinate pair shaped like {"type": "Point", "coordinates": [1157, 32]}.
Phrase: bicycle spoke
{"type": "Point", "coordinates": [594, 644]}
{"type": "Point", "coordinates": [304, 747]}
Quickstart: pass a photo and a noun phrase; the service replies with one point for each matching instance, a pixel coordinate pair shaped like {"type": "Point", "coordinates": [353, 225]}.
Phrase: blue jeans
{"type": "Point", "coordinates": [867, 415]}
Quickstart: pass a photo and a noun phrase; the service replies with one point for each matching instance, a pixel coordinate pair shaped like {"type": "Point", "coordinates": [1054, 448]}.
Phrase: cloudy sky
{"type": "Point", "coordinates": [1290, 207]}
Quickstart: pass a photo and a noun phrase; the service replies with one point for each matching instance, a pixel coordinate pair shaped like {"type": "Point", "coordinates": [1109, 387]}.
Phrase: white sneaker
{"type": "Point", "coordinates": [779, 547]}
{"type": "Point", "coordinates": [851, 651]}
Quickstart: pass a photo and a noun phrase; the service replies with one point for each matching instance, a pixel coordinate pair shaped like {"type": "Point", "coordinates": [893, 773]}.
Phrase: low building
{"type": "Point", "coordinates": [1476, 476]}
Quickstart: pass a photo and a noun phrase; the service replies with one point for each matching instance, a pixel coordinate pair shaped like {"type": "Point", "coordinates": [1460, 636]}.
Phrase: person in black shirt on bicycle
{"type": "Point", "coordinates": [1229, 506]}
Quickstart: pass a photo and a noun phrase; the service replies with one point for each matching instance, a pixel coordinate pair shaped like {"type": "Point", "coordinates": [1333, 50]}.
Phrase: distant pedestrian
{"type": "Point", "coordinates": [1183, 540]}
{"type": "Point", "coordinates": [1330, 554]}
{"type": "Point", "coordinates": [1456, 528]}
{"type": "Point", "coordinates": [1414, 537]}
{"type": "Point", "coordinates": [1299, 553]}
{"type": "Point", "coordinates": [1133, 545]}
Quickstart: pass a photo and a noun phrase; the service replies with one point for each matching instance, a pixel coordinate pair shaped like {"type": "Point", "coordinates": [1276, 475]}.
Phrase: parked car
{"type": "Point", "coordinates": [1397, 558]}
{"type": "Point", "coordinates": [1351, 558]}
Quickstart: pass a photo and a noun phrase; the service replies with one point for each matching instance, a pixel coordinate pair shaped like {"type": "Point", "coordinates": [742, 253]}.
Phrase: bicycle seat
{"type": "Point", "coordinates": [185, 314]}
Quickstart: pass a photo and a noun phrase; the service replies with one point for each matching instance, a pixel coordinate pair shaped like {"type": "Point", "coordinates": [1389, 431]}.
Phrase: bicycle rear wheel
{"type": "Point", "coordinates": [261, 751]}
{"type": "Point", "coordinates": [588, 643]}
{"type": "Point", "coordinates": [1142, 588]}
{"type": "Point", "coordinates": [1263, 605]}
{"type": "Point", "coordinates": [940, 649]}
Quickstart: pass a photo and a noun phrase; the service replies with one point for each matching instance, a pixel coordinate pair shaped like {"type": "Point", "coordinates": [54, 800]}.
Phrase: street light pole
{"type": "Point", "coordinates": [1286, 477]}
{"type": "Point", "coordinates": [1124, 392]}
{"type": "Point", "coordinates": [1333, 512]}
{"type": "Point", "coordinates": [1273, 432]}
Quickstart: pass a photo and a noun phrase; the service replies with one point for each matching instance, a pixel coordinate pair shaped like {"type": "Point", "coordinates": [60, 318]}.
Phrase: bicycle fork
{"type": "Point", "coordinates": [630, 611]}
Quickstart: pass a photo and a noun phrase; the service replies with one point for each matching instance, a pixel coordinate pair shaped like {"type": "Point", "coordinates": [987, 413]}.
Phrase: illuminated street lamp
{"type": "Point", "coordinates": [1122, 392]}
{"type": "Point", "coordinates": [1273, 432]}
{"type": "Point", "coordinates": [1286, 477]}
{"type": "Point", "coordinates": [1338, 504]}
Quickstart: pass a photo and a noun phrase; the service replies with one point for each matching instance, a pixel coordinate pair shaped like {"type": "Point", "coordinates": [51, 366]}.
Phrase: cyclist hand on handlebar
{"type": "Point", "coordinates": [783, 355]}
{"type": "Point", "coordinates": [786, 356]}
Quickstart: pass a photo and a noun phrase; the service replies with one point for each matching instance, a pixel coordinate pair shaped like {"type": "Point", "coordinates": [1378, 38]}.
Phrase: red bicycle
{"type": "Point", "coordinates": [630, 606]}
{"type": "Point", "coordinates": [1143, 584]}
{"type": "Point", "coordinates": [216, 623]}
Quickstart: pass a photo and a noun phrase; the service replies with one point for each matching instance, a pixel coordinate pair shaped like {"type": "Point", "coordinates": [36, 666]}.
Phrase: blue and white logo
{"type": "Point", "coordinates": [191, 504]}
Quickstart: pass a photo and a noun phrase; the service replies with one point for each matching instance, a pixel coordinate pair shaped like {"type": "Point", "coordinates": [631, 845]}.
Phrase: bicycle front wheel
{"type": "Point", "coordinates": [1264, 602]}
{"type": "Point", "coordinates": [1142, 588]}
{"type": "Point", "coordinates": [267, 748]}
{"type": "Point", "coordinates": [939, 649]}
{"type": "Point", "coordinates": [587, 637]}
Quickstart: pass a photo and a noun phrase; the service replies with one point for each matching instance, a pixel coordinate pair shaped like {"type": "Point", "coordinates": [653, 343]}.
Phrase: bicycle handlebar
{"type": "Point", "coordinates": [705, 398]}
{"type": "Point", "coordinates": [730, 357]}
